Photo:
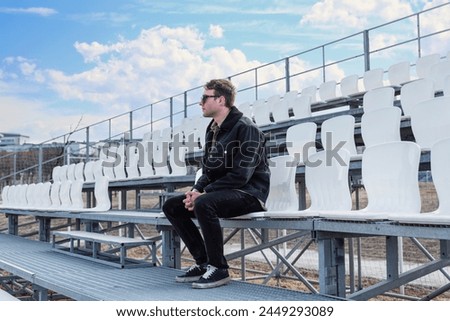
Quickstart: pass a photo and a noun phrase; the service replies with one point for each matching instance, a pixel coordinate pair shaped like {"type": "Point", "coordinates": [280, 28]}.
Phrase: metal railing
{"type": "Point", "coordinates": [309, 67]}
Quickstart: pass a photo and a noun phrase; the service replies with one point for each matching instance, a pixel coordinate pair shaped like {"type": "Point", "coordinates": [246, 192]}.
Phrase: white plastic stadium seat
{"type": "Point", "coordinates": [373, 79]}
{"type": "Point", "coordinates": [424, 63]}
{"type": "Point", "coordinates": [430, 121]}
{"type": "Point", "coordinates": [327, 91]}
{"type": "Point", "coordinates": [283, 196]}
{"type": "Point", "coordinates": [246, 109]}
{"type": "Point", "coordinates": [414, 92]}
{"type": "Point", "coordinates": [389, 173]}
{"type": "Point", "coordinates": [280, 111]}
{"type": "Point", "coordinates": [310, 91]}
{"type": "Point", "coordinates": [261, 113]}
{"type": "Point", "coordinates": [378, 98]}
{"type": "Point", "coordinates": [438, 72]}
{"type": "Point", "coordinates": [350, 85]}
{"type": "Point", "coordinates": [301, 140]}
{"type": "Point", "coordinates": [399, 73]}
{"type": "Point", "coordinates": [327, 182]}
{"type": "Point", "coordinates": [381, 126]}
{"type": "Point", "coordinates": [177, 161]}
{"type": "Point", "coordinates": [440, 159]}
{"type": "Point", "coordinates": [160, 158]}
{"type": "Point", "coordinates": [339, 129]}
{"type": "Point", "coordinates": [132, 153]}
{"type": "Point", "coordinates": [301, 107]}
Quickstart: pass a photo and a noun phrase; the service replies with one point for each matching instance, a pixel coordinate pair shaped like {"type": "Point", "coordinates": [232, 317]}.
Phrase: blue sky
{"type": "Point", "coordinates": [66, 63]}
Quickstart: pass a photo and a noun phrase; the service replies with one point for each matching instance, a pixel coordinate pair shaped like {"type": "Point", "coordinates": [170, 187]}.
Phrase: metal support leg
{"type": "Point", "coordinates": [332, 266]}
{"type": "Point", "coordinates": [44, 229]}
{"type": "Point", "coordinates": [40, 293]}
{"type": "Point", "coordinates": [171, 256]}
{"type": "Point", "coordinates": [392, 257]}
{"type": "Point", "coordinates": [13, 224]}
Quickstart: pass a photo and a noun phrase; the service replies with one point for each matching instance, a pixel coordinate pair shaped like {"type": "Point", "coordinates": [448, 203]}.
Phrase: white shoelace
{"type": "Point", "coordinates": [210, 270]}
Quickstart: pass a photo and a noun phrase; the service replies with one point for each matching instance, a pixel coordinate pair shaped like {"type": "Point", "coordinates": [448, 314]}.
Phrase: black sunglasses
{"type": "Point", "coordinates": [205, 97]}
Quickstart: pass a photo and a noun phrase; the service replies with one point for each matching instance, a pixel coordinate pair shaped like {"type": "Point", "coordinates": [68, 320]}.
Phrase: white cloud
{"type": "Point", "coordinates": [349, 14]}
{"type": "Point", "coordinates": [216, 31]}
{"type": "Point", "coordinates": [40, 11]}
{"type": "Point", "coordinates": [158, 63]}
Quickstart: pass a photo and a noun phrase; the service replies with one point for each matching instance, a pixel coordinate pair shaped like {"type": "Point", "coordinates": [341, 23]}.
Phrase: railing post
{"type": "Point", "coordinates": [131, 125]}
{"type": "Point", "coordinates": [151, 117]}
{"type": "Point", "coordinates": [171, 112]}
{"type": "Point", "coordinates": [185, 104]}
{"type": "Point", "coordinates": [88, 143]}
{"type": "Point", "coordinates": [287, 74]}
{"type": "Point", "coordinates": [323, 64]}
{"type": "Point", "coordinates": [256, 83]}
{"type": "Point", "coordinates": [419, 38]}
{"type": "Point", "coordinates": [15, 168]}
{"type": "Point", "coordinates": [40, 164]}
{"type": "Point", "coordinates": [366, 50]}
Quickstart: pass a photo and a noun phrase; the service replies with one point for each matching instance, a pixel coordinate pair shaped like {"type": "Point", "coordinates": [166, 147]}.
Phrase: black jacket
{"type": "Point", "coordinates": [238, 160]}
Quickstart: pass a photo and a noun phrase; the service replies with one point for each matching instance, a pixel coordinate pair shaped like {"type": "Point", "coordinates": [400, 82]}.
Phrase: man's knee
{"type": "Point", "coordinates": [170, 204]}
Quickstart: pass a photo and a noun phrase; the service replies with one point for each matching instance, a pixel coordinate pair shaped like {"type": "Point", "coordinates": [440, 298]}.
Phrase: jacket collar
{"type": "Point", "coordinates": [231, 119]}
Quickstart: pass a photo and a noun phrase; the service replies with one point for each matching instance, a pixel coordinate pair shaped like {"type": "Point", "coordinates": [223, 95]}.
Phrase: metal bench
{"type": "Point", "coordinates": [91, 249]}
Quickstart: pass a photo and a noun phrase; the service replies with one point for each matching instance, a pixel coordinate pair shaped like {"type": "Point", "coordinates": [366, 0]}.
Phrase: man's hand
{"type": "Point", "coordinates": [189, 201]}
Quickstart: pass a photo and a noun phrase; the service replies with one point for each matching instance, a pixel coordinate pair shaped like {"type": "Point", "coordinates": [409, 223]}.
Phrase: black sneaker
{"type": "Point", "coordinates": [213, 277]}
{"type": "Point", "coordinates": [192, 274]}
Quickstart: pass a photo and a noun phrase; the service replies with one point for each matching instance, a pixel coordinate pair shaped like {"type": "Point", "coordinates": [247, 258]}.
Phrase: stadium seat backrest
{"type": "Point", "coordinates": [399, 73]}
{"type": "Point", "coordinates": [310, 91]}
{"type": "Point", "coordinates": [79, 171]}
{"type": "Point", "coordinates": [414, 92]}
{"type": "Point", "coordinates": [424, 63]}
{"type": "Point", "coordinates": [440, 160]}
{"type": "Point", "coordinates": [373, 79]}
{"type": "Point", "coordinates": [381, 126]}
{"type": "Point", "coordinates": [378, 98]}
{"type": "Point", "coordinates": [261, 113]}
{"type": "Point", "coordinates": [177, 161]}
{"type": "Point", "coordinates": [301, 107]}
{"type": "Point", "coordinates": [389, 173]}
{"type": "Point", "coordinates": [101, 193]}
{"type": "Point", "coordinates": [339, 130]}
{"type": "Point", "coordinates": [54, 195]}
{"type": "Point", "coordinates": [280, 111]}
{"type": "Point", "coordinates": [438, 73]}
{"type": "Point", "coordinates": [301, 140]}
{"type": "Point", "coordinates": [76, 195]}
{"type": "Point", "coordinates": [132, 155]}
{"type": "Point", "coordinates": [327, 90]}
{"type": "Point", "coordinates": [327, 181]}
{"type": "Point", "coordinates": [350, 85]}
{"type": "Point", "coordinates": [430, 121]}
{"type": "Point", "coordinates": [282, 194]}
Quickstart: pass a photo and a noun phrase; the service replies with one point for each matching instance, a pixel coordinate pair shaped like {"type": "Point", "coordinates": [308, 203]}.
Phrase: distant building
{"type": "Point", "coordinates": [11, 139]}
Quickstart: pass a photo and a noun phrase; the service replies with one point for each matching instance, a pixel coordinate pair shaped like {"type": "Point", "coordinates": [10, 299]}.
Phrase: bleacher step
{"type": "Point", "coordinates": [92, 250]}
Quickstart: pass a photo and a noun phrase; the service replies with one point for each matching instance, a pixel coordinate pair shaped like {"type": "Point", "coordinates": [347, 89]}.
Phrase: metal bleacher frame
{"type": "Point", "coordinates": [330, 235]}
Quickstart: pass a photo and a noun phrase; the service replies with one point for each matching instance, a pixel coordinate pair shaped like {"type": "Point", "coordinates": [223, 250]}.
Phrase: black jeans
{"type": "Point", "coordinates": [208, 209]}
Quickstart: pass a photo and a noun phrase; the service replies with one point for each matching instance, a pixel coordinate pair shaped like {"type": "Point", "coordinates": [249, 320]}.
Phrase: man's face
{"type": "Point", "coordinates": [210, 103]}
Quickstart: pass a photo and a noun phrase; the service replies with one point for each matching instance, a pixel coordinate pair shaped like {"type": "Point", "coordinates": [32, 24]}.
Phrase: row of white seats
{"type": "Point", "coordinates": [278, 109]}
{"type": "Point", "coordinates": [389, 173]}
{"type": "Point", "coordinates": [56, 196]}
{"type": "Point", "coordinates": [430, 122]}
{"type": "Point", "coordinates": [125, 162]}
